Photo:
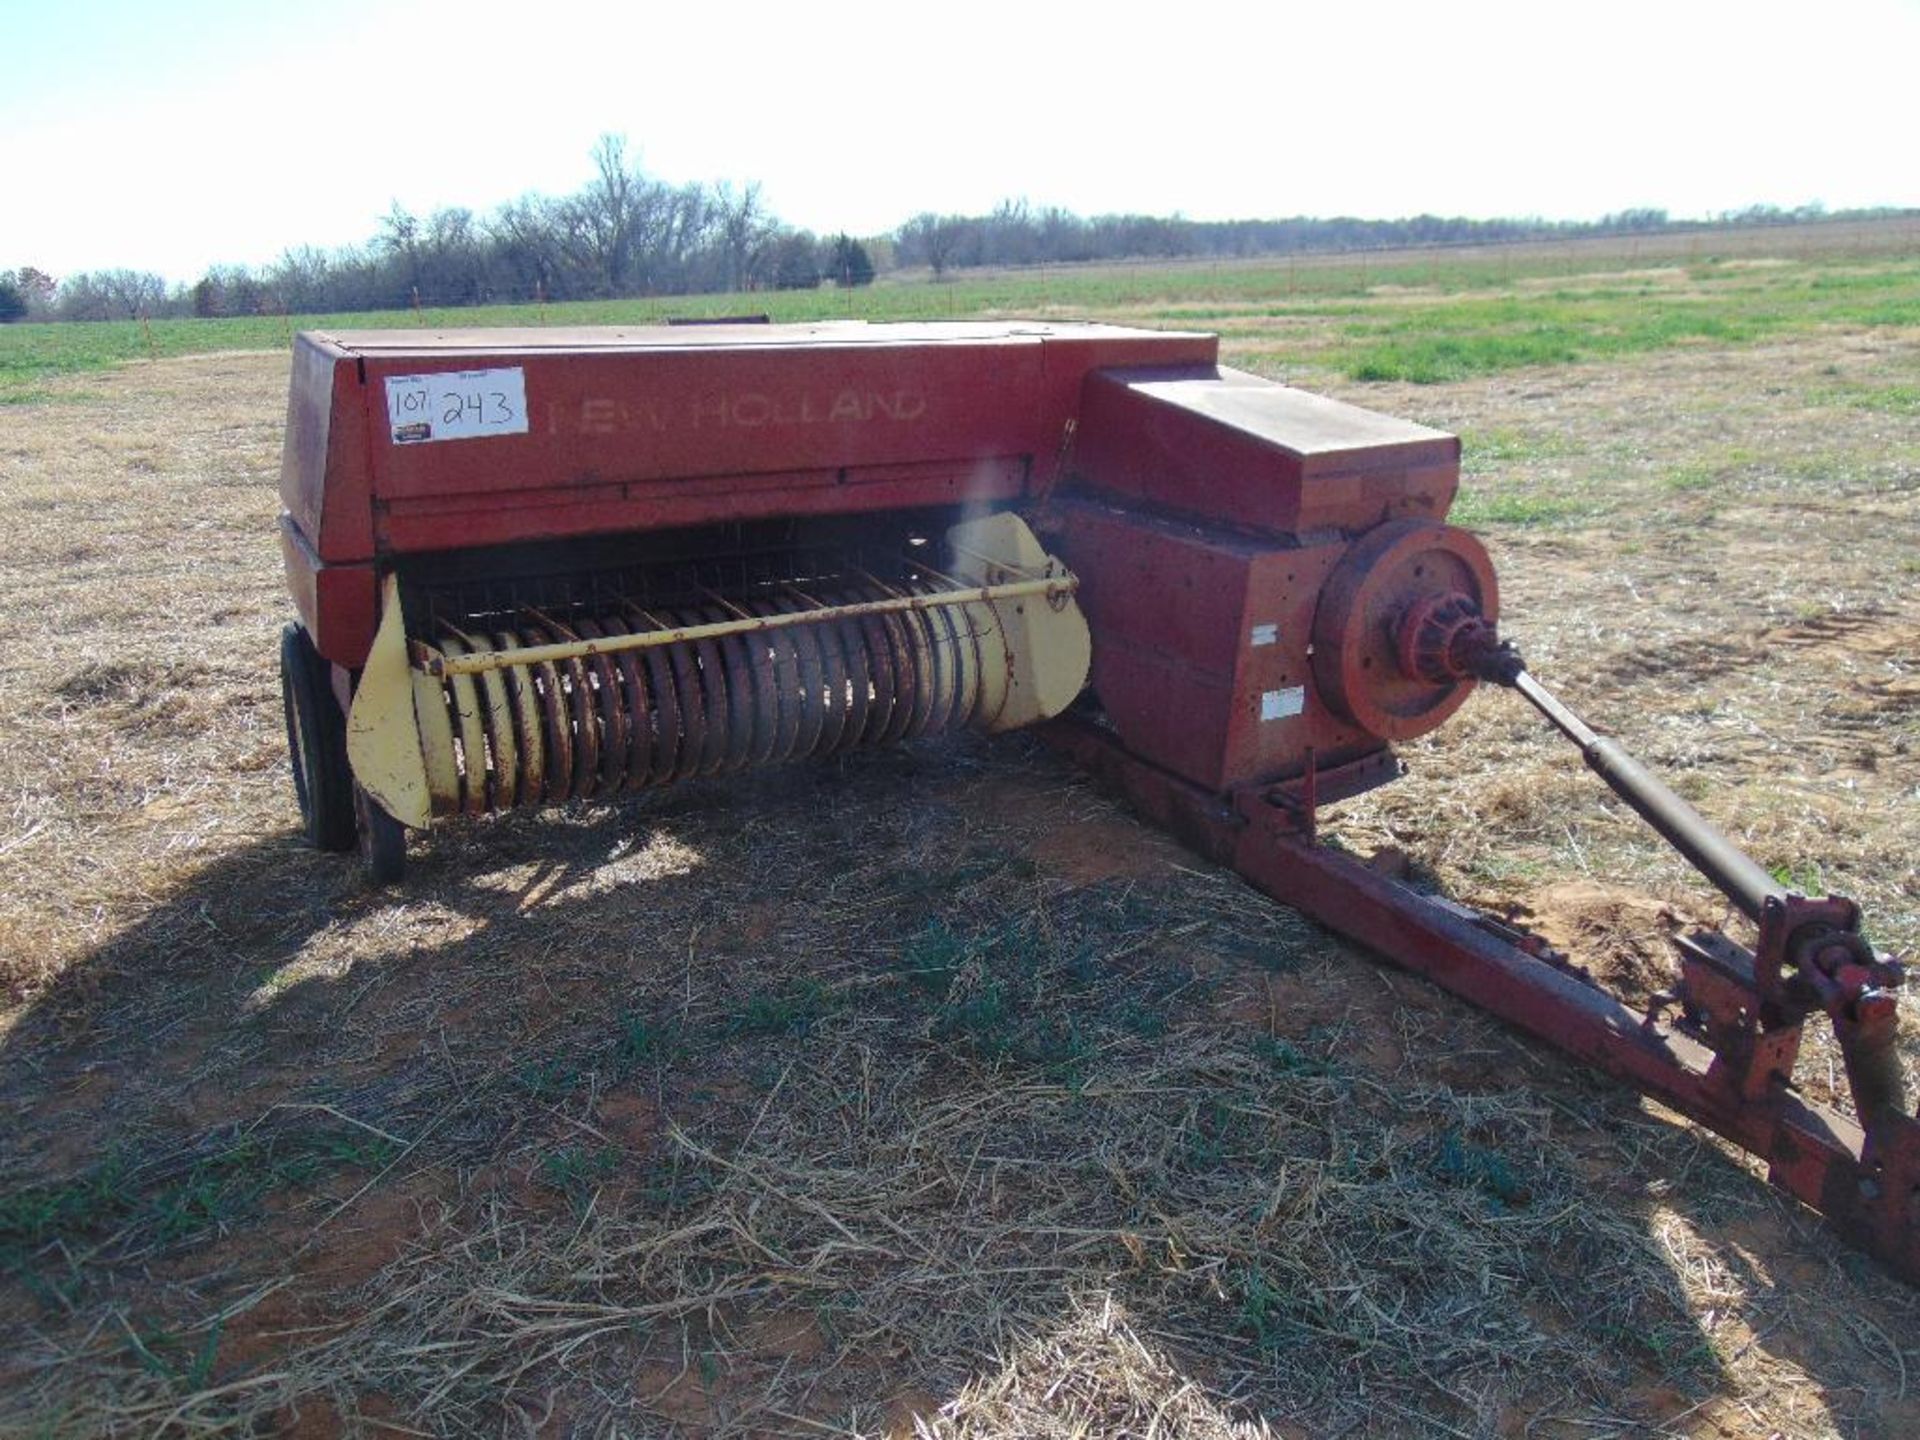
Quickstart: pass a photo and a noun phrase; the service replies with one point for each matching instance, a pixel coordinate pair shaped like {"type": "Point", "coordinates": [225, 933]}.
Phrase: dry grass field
{"type": "Point", "coordinates": [929, 1092]}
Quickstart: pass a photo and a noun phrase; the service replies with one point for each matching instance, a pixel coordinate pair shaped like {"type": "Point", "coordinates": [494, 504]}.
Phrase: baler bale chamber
{"type": "Point", "coordinates": [535, 566]}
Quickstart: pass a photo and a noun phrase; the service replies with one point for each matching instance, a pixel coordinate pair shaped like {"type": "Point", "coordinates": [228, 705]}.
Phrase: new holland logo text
{"type": "Point", "coordinates": [746, 410]}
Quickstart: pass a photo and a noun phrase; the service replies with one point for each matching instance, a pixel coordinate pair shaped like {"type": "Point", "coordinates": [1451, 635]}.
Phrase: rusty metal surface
{"type": "Point", "coordinates": [1366, 669]}
{"type": "Point", "coordinates": [701, 629]}
{"type": "Point", "coordinates": [601, 703]}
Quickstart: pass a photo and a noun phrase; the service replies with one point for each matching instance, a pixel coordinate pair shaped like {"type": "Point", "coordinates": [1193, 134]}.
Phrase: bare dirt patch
{"type": "Point", "coordinates": [930, 1087]}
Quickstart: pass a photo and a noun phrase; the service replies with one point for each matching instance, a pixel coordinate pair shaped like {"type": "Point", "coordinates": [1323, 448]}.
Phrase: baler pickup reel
{"type": "Point", "coordinates": [536, 709]}
{"type": "Point", "coordinates": [544, 566]}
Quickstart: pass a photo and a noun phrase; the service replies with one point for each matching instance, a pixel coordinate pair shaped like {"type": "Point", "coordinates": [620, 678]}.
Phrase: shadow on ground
{"type": "Point", "coordinates": [830, 1099]}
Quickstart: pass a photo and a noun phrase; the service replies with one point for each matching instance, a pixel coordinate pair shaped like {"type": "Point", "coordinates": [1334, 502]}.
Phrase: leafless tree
{"type": "Point", "coordinates": [934, 239]}
{"type": "Point", "coordinates": [112, 294]}
{"type": "Point", "coordinates": [743, 225]}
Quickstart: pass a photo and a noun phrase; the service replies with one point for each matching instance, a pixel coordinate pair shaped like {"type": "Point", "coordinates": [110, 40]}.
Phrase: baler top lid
{"type": "Point", "coordinates": [827, 334]}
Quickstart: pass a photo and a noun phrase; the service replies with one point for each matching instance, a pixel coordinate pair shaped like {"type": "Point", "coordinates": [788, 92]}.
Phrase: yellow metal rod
{"type": "Point", "coordinates": [434, 662]}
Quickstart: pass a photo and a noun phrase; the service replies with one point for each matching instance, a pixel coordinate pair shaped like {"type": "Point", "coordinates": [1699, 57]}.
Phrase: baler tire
{"type": "Point", "coordinates": [382, 839]}
{"type": "Point", "coordinates": [316, 744]}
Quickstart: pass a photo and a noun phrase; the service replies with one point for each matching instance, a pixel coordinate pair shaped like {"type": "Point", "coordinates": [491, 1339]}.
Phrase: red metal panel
{"type": "Point", "coordinates": [1073, 353]}
{"type": "Point", "coordinates": [337, 603]}
{"type": "Point", "coordinates": [303, 453]}
{"type": "Point", "coordinates": [1200, 643]}
{"type": "Point", "coordinates": [624, 418]}
{"type": "Point", "coordinates": [324, 482]}
{"type": "Point", "coordinates": [440, 522]}
{"type": "Point", "coordinates": [1236, 448]}
{"type": "Point", "coordinates": [627, 427]}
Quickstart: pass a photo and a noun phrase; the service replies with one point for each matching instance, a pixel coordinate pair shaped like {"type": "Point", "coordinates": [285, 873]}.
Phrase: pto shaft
{"type": "Point", "coordinates": [1731, 870]}
{"type": "Point", "coordinates": [1445, 638]}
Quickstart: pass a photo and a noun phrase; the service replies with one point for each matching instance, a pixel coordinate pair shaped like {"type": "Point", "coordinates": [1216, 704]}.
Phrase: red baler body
{"type": "Point", "coordinates": [1201, 507]}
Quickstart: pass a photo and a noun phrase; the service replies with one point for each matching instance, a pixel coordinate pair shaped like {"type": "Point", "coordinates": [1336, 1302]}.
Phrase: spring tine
{"type": "Point", "coordinates": [812, 680]}
{"type": "Point", "coordinates": [784, 666]}
{"type": "Point", "coordinates": [966, 654]}
{"type": "Point", "coordinates": [430, 702]}
{"type": "Point", "coordinates": [693, 707]}
{"type": "Point", "coordinates": [830, 699]}
{"type": "Point", "coordinates": [719, 698]}
{"type": "Point", "coordinates": [613, 714]}
{"type": "Point", "coordinates": [716, 677]}
{"type": "Point", "coordinates": [588, 737]}
{"type": "Point", "coordinates": [763, 688]}
{"type": "Point", "coordinates": [885, 699]}
{"type": "Point", "coordinates": [919, 694]}
{"type": "Point", "coordinates": [530, 750]}
{"type": "Point", "coordinates": [946, 656]}
{"type": "Point", "coordinates": [669, 729]}
{"type": "Point", "coordinates": [557, 732]}
{"type": "Point", "coordinates": [735, 663]}
{"type": "Point", "coordinates": [681, 729]}
{"type": "Point", "coordinates": [900, 676]}
{"type": "Point", "coordinates": [835, 717]}
{"type": "Point", "coordinates": [934, 660]}
{"type": "Point", "coordinates": [750, 697]}
{"type": "Point", "coordinates": [639, 709]}
{"type": "Point", "coordinates": [850, 638]}
{"type": "Point", "coordinates": [913, 670]}
{"type": "Point", "coordinates": [474, 789]}
{"type": "Point", "coordinates": [701, 700]}
{"type": "Point", "coordinates": [577, 706]}
{"type": "Point", "coordinates": [497, 721]}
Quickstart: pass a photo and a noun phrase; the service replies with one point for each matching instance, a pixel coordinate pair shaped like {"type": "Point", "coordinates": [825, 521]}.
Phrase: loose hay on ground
{"type": "Point", "coordinates": [862, 1098]}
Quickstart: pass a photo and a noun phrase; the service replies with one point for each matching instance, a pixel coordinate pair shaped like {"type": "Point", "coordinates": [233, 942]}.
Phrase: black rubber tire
{"type": "Point", "coordinates": [383, 841]}
{"type": "Point", "coordinates": [316, 743]}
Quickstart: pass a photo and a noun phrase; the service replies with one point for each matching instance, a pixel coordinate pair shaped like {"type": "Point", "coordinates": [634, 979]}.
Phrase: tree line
{"type": "Point", "coordinates": [1017, 234]}
{"type": "Point", "coordinates": [625, 233]}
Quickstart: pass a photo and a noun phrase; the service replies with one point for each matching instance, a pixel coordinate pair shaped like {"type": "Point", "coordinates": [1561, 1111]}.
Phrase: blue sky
{"type": "Point", "coordinates": [173, 136]}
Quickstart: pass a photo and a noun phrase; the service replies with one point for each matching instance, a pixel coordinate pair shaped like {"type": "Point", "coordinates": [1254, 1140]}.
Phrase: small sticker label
{"type": "Point", "coordinates": [1266, 635]}
{"type": "Point", "coordinates": [459, 405]}
{"type": "Point", "coordinates": [1279, 704]}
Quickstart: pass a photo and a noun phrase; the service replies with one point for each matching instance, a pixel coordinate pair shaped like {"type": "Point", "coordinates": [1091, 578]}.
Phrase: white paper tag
{"type": "Point", "coordinates": [1266, 635]}
{"type": "Point", "coordinates": [458, 405]}
{"type": "Point", "coordinates": [1279, 704]}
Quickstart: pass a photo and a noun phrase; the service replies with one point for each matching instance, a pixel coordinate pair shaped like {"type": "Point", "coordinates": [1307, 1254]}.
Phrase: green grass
{"type": "Point", "coordinates": [1482, 450]}
{"type": "Point", "coordinates": [1476, 507]}
{"type": "Point", "coordinates": [786, 1011]}
{"type": "Point", "coordinates": [1376, 319]}
{"type": "Point", "coordinates": [1479, 335]}
{"type": "Point", "coordinates": [1876, 399]}
{"type": "Point", "coordinates": [1713, 470]}
{"type": "Point", "coordinates": [1684, 479]}
{"type": "Point", "coordinates": [167, 1203]}
{"type": "Point", "coordinates": [645, 1041]}
{"type": "Point", "coordinates": [182, 1361]}
{"type": "Point", "coordinates": [1459, 1161]}
{"type": "Point", "coordinates": [576, 1171]}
